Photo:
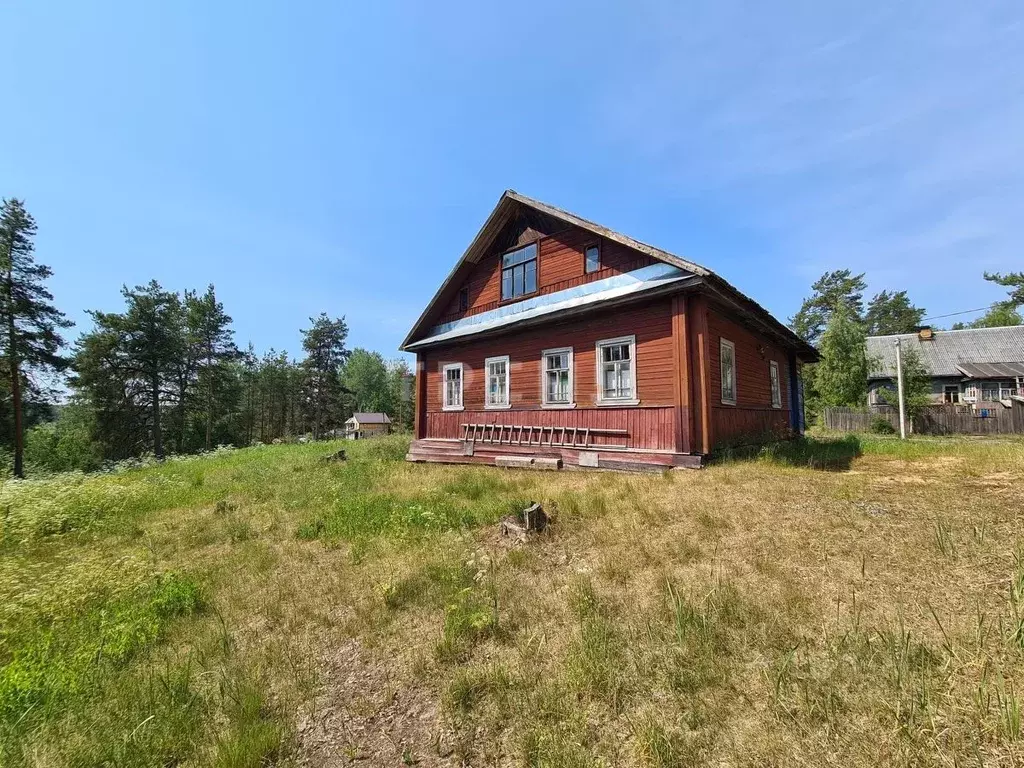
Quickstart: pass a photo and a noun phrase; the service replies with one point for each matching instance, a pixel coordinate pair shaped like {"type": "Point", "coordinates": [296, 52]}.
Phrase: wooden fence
{"type": "Point", "coordinates": [933, 420]}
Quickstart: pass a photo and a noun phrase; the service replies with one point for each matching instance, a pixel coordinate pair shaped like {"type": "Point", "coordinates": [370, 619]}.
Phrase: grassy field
{"type": "Point", "coordinates": [839, 602]}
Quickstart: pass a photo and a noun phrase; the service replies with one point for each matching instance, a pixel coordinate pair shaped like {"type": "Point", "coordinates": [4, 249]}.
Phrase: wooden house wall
{"type": "Point", "coordinates": [560, 265]}
{"type": "Point", "coordinates": [651, 424]}
{"type": "Point", "coordinates": [753, 413]}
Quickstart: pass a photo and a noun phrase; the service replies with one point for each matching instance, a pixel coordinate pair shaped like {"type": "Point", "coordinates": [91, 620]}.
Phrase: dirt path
{"type": "Point", "coordinates": [364, 716]}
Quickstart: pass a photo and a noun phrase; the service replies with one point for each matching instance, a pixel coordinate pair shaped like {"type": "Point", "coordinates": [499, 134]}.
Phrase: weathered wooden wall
{"type": "Point", "coordinates": [651, 323]}
{"type": "Point", "coordinates": [648, 428]}
{"type": "Point", "coordinates": [753, 414]}
{"type": "Point", "coordinates": [559, 266]}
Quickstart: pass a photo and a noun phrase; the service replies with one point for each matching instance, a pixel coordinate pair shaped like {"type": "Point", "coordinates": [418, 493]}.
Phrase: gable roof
{"type": "Point", "coordinates": [950, 353]}
{"type": "Point", "coordinates": [511, 202]}
{"type": "Point", "coordinates": [371, 418]}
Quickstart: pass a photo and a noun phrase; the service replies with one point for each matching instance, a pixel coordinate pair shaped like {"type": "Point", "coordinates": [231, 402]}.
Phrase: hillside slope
{"type": "Point", "coordinates": [265, 606]}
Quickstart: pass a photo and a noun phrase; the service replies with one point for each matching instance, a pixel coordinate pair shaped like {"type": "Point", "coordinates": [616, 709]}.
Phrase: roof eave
{"type": "Point", "coordinates": [564, 314]}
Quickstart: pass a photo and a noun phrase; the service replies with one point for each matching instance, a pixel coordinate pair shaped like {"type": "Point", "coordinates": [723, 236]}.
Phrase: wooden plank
{"type": "Point", "coordinates": [702, 375]}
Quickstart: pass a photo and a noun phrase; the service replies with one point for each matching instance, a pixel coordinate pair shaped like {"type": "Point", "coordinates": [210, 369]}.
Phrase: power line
{"type": "Point", "coordinates": [964, 312]}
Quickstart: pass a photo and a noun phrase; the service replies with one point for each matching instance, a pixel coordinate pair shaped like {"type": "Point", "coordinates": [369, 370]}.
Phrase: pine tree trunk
{"type": "Point", "coordinates": [14, 365]}
{"type": "Point", "coordinates": [158, 439]}
{"type": "Point", "coordinates": [209, 395]}
{"type": "Point", "coordinates": [19, 435]}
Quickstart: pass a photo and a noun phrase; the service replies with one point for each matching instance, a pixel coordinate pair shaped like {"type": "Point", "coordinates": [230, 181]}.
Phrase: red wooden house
{"type": "Point", "coordinates": [558, 342]}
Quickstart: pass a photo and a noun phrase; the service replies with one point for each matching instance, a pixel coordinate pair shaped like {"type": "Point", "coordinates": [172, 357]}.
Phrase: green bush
{"type": "Point", "coordinates": [882, 426]}
{"type": "Point", "coordinates": [64, 445]}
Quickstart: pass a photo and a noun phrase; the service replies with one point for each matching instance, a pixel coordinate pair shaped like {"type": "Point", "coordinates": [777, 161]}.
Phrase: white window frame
{"type": "Point", "coordinates": [545, 403]}
{"type": "Point", "coordinates": [616, 401]}
{"type": "Point", "coordinates": [444, 387]}
{"type": "Point", "coordinates": [508, 383]}
{"type": "Point", "coordinates": [724, 344]}
{"type": "Point", "coordinates": [775, 382]}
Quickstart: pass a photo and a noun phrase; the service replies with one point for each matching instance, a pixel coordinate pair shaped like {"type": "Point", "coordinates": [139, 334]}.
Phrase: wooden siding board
{"type": "Point", "coordinates": [560, 265]}
{"type": "Point", "coordinates": [651, 323]}
{"type": "Point", "coordinates": [700, 380]}
{"type": "Point", "coordinates": [753, 414]}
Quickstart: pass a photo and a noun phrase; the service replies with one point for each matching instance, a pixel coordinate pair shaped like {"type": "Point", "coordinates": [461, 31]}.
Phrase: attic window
{"type": "Point", "coordinates": [519, 272]}
{"type": "Point", "coordinates": [592, 259]}
{"type": "Point", "coordinates": [463, 299]}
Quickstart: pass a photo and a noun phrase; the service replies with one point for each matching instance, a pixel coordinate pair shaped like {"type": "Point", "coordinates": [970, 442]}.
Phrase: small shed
{"type": "Point", "coordinates": [367, 425]}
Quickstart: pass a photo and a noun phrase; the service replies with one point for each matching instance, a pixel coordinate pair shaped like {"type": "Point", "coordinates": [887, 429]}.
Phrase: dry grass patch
{"type": "Point", "coordinates": [856, 603]}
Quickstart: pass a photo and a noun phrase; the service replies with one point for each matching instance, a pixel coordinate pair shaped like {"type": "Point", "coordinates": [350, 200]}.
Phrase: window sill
{"type": "Point", "coordinates": [614, 403]}
{"type": "Point", "coordinates": [558, 406]}
{"type": "Point", "coordinates": [520, 297]}
{"type": "Point", "coordinates": [453, 407]}
{"type": "Point", "coordinates": [728, 402]}
{"type": "Point", "coordinates": [503, 407]}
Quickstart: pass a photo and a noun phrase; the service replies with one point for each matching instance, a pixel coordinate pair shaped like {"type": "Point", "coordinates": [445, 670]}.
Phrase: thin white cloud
{"type": "Point", "coordinates": [887, 141]}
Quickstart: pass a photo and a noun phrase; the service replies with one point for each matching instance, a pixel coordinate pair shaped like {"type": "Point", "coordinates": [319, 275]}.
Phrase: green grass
{"type": "Point", "coordinates": [836, 600]}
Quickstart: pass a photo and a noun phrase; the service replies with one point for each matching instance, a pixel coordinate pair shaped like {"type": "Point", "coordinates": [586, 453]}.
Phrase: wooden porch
{"type": "Point", "coordinates": [493, 453]}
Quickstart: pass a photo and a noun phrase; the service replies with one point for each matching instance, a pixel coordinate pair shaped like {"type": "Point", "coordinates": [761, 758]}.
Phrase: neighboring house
{"type": "Point", "coordinates": [554, 338]}
{"type": "Point", "coordinates": [367, 425]}
{"type": "Point", "coordinates": [977, 366]}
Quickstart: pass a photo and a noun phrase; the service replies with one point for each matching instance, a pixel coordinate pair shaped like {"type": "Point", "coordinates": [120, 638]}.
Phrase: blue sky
{"type": "Point", "coordinates": [310, 156]}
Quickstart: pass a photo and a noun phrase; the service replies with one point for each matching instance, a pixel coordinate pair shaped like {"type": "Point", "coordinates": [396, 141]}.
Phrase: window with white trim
{"type": "Point", "coordinates": [727, 357]}
{"type": "Point", "coordinates": [592, 258]}
{"type": "Point", "coordinates": [497, 382]}
{"type": "Point", "coordinates": [557, 377]}
{"type": "Point", "coordinates": [773, 372]}
{"type": "Point", "coordinates": [451, 381]}
{"type": "Point", "coordinates": [616, 378]}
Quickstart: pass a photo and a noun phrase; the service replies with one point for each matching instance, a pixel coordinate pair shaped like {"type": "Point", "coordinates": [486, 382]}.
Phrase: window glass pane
{"type": "Point", "coordinates": [531, 276]}
{"type": "Point", "coordinates": [519, 275]}
{"type": "Point", "coordinates": [609, 380]}
{"type": "Point", "coordinates": [593, 262]}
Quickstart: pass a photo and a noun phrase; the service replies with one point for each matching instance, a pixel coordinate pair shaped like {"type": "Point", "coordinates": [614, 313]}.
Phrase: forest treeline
{"type": "Point", "coordinates": [164, 375]}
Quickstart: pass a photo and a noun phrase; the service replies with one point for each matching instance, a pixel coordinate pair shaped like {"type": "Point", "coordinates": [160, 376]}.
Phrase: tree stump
{"type": "Point", "coordinates": [533, 519]}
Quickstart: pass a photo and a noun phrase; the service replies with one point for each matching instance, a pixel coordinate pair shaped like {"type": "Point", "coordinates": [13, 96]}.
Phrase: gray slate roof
{"type": "Point", "coordinates": [371, 418]}
{"type": "Point", "coordinates": [949, 349]}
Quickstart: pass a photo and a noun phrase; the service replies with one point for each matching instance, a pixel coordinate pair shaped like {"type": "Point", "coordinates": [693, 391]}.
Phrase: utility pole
{"type": "Point", "coordinates": [899, 389]}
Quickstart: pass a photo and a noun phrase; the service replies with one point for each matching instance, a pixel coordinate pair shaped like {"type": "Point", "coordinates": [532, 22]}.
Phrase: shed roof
{"type": "Point", "coordinates": [371, 418]}
{"type": "Point", "coordinates": [947, 353]}
{"type": "Point", "coordinates": [992, 370]}
{"type": "Point", "coordinates": [511, 202]}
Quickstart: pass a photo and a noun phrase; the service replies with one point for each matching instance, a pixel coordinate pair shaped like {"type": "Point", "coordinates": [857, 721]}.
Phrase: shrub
{"type": "Point", "coordinates": [882, 426]}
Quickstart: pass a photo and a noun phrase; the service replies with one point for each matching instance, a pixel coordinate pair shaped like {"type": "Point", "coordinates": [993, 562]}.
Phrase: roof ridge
{"type": "Point", "coordinates": [946, 330]}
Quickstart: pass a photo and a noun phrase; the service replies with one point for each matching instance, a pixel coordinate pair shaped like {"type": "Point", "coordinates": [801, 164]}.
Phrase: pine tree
{"type": "Point", "coordinates": [831, 290]}
{"type": "Point", "coordinates": [139, 353]}
{"type": "Point", "coordinates": [210, 327]}
{"type": "Point", "coordinates": [30, 334]}
{"type": "Point", "coordinates": [1012, 280]}
{"type": "Point", "coordinates": [324, 345]}
{"type": "Point", "coordinates": [892, 313]}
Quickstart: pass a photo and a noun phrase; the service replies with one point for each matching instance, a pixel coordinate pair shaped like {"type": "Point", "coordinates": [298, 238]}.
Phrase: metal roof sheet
{"type": "Point", "coordinates": [615, 287]}
{"type": "Point", "coordinates": [947, 351]}
{"type": "Point", "coordinates": [992, 370]}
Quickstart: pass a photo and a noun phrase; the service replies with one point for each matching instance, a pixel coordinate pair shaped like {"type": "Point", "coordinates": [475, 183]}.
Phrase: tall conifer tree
{"type": "Point", "coordinates": [29, 337]}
